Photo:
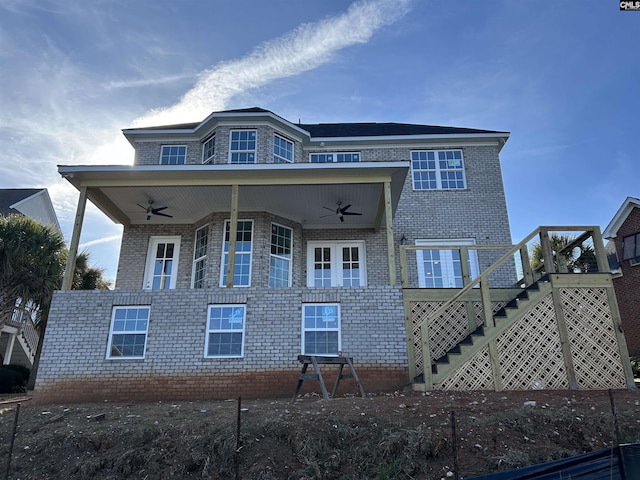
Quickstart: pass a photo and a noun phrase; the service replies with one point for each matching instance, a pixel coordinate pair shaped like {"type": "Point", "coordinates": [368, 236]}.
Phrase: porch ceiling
{"type": "Point", "coordinates": [298, 192]}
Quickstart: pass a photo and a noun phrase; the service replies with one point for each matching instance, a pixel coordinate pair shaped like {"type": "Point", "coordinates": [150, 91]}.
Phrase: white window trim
{"type": "Point", "coordinates": [304, 330]}
{"type": "Point", "coordinates": [293, 149]}
{"type": "Point", "coordinates": [437, 170]}
{"type": "Point", "coordinates": [254, 151]}
{"type": "Point", "coordinates": [172, 145]}
{"type": "Point", "coordinates": [208, 160]}
{"type": "Point", "coordinates": [290, 260]}
{"type": "Point", "coordinates": [336, 265]}
{"type": "Point", "coordinates": [222, 269]}
{"type": "Point", "coordinates": [208, 331]}
{"type": "Point", "coordinates": [474, 266]}
{"type": "Point", "coordinates": [151, 255]}
{"type": "Point", "coordinates": [203, 257]}
{"type": "Point", "coordinates": [124, 332]}
{"type": "Point", "coordinates": [335, 156]}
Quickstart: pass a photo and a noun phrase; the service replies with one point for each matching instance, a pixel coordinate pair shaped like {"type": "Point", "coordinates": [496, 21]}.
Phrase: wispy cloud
{"type": "Point", "coordinates": [145, 82]}
{"type": "Point", "coordinates": [99, 241]}
{"type": "Point", "coordinates": [303, 49]}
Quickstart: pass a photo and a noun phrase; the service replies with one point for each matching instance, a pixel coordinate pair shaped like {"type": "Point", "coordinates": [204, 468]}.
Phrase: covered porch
{"type": "Point", "coordinates": [310, 195]}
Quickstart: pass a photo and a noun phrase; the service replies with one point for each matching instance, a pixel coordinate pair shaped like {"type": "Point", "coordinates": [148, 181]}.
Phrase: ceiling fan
{"type": "Point", "coordinates": [154, 211]}
{"type": "Point", "coordinates": [340, 211]}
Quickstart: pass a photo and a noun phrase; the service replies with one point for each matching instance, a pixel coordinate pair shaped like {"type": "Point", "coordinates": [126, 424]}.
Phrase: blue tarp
{"type": "Point", "coordinates": [614, 463]}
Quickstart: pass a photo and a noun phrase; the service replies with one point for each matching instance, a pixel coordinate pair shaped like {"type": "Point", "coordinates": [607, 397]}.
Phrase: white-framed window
{"type": "Point", "coordinates": [339, 157]}
{"type": "Point", "coordinates": [244, 249]}
{"type": "Point", "coordinates": [199, 256]}
{"type": "Point", "coordinates": [321, 329]}
{"type": "Point", "coordinates": [336, 264]}
{"type": "Point", "coordinates": [162, 263]}
{"type": "Point", "coordinates": [442, 268]}
{"type": "Point", "coordinates": [208, 149]}
{"type": "Point", "coordinates": [631, 249]}
{"type": "Point", "coordinates": [282, 150]}
{"type": "Point", "coordinates": [128, 332]}
{"type": "Point", "coordinates": [173, 154]}
{"type": "Point", "coordinates": [242, 146]}
{"type": "Point", "coordinates": [280, 261]}
{"type": "Point", "coordinates": [438, 170]}
{"type": "Point", "coordinates": [225, 331]}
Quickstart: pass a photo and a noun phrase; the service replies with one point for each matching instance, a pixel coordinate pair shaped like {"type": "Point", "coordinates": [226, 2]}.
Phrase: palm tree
{"type": "Point", "coordinates": [579, 259]}
{"type": "Point", "coordinates": [31, 263]}
{"type": "Point", "coordinates": [86, 277]}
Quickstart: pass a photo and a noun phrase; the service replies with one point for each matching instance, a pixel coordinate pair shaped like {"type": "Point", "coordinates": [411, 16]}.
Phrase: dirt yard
{"type": "Point", "coordinates": [385, 436]}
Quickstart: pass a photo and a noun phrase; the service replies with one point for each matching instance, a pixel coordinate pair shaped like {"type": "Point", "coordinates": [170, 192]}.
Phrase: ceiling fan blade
{"type": "Point", "coordinates": [163, 215]}
{"type": "Point", "coordinates": [330, 209]}
{"type": "Point", "coordinates": [144, 208]}
{"type": "Point", "coordinates": [351, 213]}
{"type": "Point", "coordinates": [341, 218]}
{"type": "Point", "coordinates": [345, 208]}
{"type": "Point", "coordinates": [156, 210]}
{"type": "Point", "coordinates": [325, 216]}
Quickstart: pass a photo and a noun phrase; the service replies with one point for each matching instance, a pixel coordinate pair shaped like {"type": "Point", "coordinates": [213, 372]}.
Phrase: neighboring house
{"type": "Point", "coordinates": [18, 338]}
{"type": "Point", "coordinates": [320, 221]}
{"type": "Point", "coordinates": [624, 233]}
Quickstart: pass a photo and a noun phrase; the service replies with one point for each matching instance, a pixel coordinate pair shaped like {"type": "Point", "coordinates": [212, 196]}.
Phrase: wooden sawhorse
{"type": "Point", "coordinates": [307, 360]}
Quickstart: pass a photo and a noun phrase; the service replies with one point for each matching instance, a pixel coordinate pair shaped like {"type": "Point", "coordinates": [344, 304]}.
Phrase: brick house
{"type": "Point", "coordinates": [321, 221]}
{"type": "Point", "coordinates": [624, 232]}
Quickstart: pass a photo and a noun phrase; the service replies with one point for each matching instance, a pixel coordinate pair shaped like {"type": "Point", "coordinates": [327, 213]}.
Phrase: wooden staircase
{"type": "Point", "coordinates": [484, 334]}
{"type": "Point", "coordinates": [560, 323]}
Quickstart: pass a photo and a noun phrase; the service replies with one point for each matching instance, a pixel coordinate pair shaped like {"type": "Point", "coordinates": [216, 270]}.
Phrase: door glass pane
{"type": "Point", "coordinates": [322, 267]}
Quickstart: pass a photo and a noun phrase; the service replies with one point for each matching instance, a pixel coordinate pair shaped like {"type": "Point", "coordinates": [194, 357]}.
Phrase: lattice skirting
{"type": "Point", "coordinates": [530, 353]}
{"type": "Point", "coordinates": [476, 374]}
{"type": "Point", "coordinates": [594, 346]}
{"type": "Point", "coordinates": [445, 331]}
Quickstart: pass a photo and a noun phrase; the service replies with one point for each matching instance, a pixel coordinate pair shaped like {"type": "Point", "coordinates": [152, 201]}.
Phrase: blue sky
{"type": "Point", "coordinates": [562, 77]}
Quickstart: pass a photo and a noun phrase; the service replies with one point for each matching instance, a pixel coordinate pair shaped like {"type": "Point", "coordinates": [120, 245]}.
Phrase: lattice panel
{"type": "Point", "coordinates": [594, 346]}
{"type": "Point", "coordinates": [444, 332]}
{"type": "Point", "coordinates": [477, 306]}
{"type": "Point", "coordinates": [530, 352]}
{"type": "Point", "coordinates": [475, 374]}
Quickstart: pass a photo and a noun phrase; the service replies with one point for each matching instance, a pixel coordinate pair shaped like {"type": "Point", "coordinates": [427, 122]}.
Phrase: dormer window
{"type": "Point", "coordinates": [282, 150]}
{"type": "Point", "coordinates": [209, 150]}
{"type": "Point", "coordinates": [242, 146]}
{"type": "Point", "coordinates": [339, 157]}
{"type": "Point", "coordinates": [173, 154]}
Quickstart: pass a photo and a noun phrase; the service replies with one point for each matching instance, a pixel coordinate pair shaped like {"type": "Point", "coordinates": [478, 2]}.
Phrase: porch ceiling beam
{"type": "Point", "coordinates": [99, 198]}
{"type": "Point", "coordinates": [243, 181]}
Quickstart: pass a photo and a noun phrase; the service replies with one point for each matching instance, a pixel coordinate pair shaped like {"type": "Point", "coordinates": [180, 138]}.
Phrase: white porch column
{"type": "Point", "coordinates": [233, 233]}
{"type": "Point", "coordinates": [75, 240]}
{"type": "Point", "coordinates": [9, 350]}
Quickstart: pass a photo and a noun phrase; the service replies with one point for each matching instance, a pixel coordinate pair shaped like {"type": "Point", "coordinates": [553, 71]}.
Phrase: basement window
{"type": "Point", "coordinates": [128, 334]}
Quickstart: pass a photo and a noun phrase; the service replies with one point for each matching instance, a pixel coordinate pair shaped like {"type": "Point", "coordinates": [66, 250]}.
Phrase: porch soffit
{"type": "Point", "coordinates": [298, 192]}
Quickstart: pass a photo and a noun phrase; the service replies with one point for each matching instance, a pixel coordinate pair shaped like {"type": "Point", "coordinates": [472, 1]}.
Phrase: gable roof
{"type": "Point", "coordinates": [11, 196]}
{"type": "Point", "coordinates": [31, 202]}
{"type": "Point", "coordinates": [621, 215]}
